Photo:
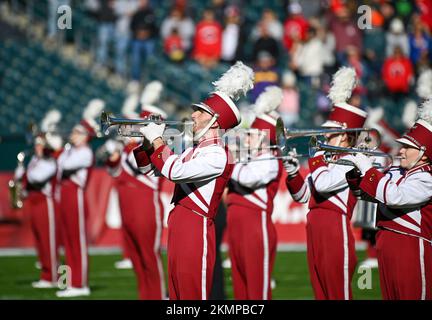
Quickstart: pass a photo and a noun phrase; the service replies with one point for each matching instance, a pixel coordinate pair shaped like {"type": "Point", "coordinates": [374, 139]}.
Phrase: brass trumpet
{"type": "Point", "coordinates": [174, 137]}
{"type": "Point", "coordinates": [284, 135]}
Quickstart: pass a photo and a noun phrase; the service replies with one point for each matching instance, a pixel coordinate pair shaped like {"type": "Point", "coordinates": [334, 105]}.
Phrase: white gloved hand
{"type": "Point", "coordinates": [363, 162]}
{"type": "Point", "coordinates": [153, 131]}
{"type": "Point", "coordinates": [291, 164]}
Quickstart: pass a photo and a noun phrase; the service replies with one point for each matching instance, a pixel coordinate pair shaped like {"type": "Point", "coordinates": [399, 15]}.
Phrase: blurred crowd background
{"type": "Point", "coordinates": [116, 46]}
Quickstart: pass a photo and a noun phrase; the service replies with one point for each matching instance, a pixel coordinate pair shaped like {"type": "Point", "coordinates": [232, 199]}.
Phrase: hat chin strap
{"type": "Point", "coordinates": [201, 134]}
{"type": "Point", "coordinates": [420, 155]}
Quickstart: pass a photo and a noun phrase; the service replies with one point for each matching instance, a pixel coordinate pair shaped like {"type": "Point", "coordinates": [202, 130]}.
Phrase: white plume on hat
{"type": "Point", "coordinates": [425, 111]}
{"type": "Point", "coordinates": [236, 81]}
{"type": "Point", "coordinates": [269, 100]}
{"type": "Point", "coordinates": [409, 114]}
{"type": "Point", "coordinates": [49, 122]}
{"type": "Point", "coordinates": [93, 110]}
{"type": "Point", "coordinates": [130, 105]}
{"type": "Point", "coordinates": [374, 116]}
{"type": "Point", "coordinates": [424, 84]}
{"type": "Point", "coordinates": [151, 93]}
{"type": "Point", "coordinates": [343, 83]}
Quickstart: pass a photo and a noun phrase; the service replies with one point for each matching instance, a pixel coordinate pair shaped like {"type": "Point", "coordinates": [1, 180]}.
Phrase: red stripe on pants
{"type": "Point", "coordinates": [190, 266]}
{"type": "Point", "coordinates": [400, 269]}
{"type": "Point", "coordinates": [331, 254]}
{"type": "Point", "coordinates": [142, 233]}
{"type": "Point", "coordinates": [73, 211]}
{"type": "Point", "coordinates": [252, 252]}
{"type": "Point", "coordinates": [43, 221]}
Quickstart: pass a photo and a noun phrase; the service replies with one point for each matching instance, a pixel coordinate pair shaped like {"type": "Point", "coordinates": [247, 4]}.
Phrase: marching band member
{"type": "Point", "coordinates": [39, 185]}
{"type": "Point", "coordinates": [74, 169]}
{"type": "Point", "coordinates": [253, 186]}
{"type": "Point", "coordinates": [201, 174]}
{"type": "Point", "coordinates": [141, 220]}
{"type": "Point", "coordinates": [404, 194]}
{"type": "Point", "coordinates": [330, 242]}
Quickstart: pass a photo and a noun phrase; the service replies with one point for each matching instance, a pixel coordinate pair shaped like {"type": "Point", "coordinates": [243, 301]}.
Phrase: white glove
{"type": "Point", "coordinates": [291, 164]}
{"type": "Point", "coordinates": [153, 131]}
{"type": "Point", "coordinates": [363, 162]}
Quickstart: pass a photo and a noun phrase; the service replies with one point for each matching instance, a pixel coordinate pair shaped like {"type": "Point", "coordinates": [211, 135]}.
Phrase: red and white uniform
{"type": "Point", "coordinates": [330, 242]}
{"type": "Point", "coordinates": [252, 236]}
{"type": "Point", "coordinates": [404, 243]}
{"type": "Point", "coordinates": [40, 206]}
{"type": "Point", "coordinates": [201, 174]}
{"type": "Point", "coordinates": [142, 215]}
{"type": "Point", "coordinates": [74, 169]}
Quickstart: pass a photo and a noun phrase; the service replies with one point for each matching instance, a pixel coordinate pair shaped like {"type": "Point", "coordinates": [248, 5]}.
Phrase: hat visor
{"type": "Point", "coordinates": [407, 142]}
{"type": "Point", "coordinates": [331, 124]}
{"type": "Point", "coordinates": [202, 106]}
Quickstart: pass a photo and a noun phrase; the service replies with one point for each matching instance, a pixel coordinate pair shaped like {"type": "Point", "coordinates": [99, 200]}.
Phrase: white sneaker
{"type": "Point", "coordinates": [370, 263]}
{"type": "Point", "coordinates": [226, 264]}
{"type": "Point", "coordinates": [43, 284]}
{"type": "Point", "coordinates": [73, 292]}
{"type": "Point", "coordinates": [124, 264]}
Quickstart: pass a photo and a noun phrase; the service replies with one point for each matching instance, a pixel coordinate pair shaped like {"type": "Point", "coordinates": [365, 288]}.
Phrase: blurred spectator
{"type": "Point", "coordinates": [425, 7]}
{"type": "Point", "coordinates": [273, 25]}
{"type": "Point", "coordinates": [208, 41]}
{"type": "Point", "coordinates": [266, 74]}
{"type": "Point", "coordinates": [233, 36]}
{"type": "Point", "coordinates": [265, 43]}
{"type": "Point", "coordinates": [306, 58]}
{"type": "Point", "coordinates": [218, 7]}
{"type": "Point", "coordinates": [173, 46]}
{"type": "Point", "coordinates": [143, 31]}
{"type": "Point", "coordinates": [53, 16]}
{"type": "Point", "coordinates": [397, 73]}
{"type": "Point", "coordinates": [107, 18]}
{"type": "Point", "coordinates": [396, 37]}
{"type": "Point", "coordinates": [295, 26]}
{"type": "Point", "coordinates": [328, 51]}
{"type": "Point", "coordinates": [420, 43]}
{"type": "Point", "coordinates": [311, 8]}
{"type": "Point", "coordinates": [184, 25]}
{"type": "Point", "coordinates": [374, 43]}
{"type": "Point", "coordinates": [290, 106]}
{"type": "Point", "coordinates": [354, 60]}
{"type": "Point", "coordinates": [346, 32]}
{"type": "Point", "coordinates": [123, 9]}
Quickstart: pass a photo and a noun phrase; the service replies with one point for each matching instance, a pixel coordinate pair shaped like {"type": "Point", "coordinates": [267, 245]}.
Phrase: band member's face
{"type": "Point", "coordinates": [78, 138]}
{"type": "Point", "coordinates": [39, 149]}
{"type": "Point", "coordinates": [333, 139]}
{"type": "Point", "coordinates": [408, 155]}
{"type": "Point", "coordinates": [200, 119]}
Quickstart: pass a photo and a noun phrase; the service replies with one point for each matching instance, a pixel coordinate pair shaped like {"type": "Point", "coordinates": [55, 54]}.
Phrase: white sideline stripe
{"type": "Point", "coordinates": [266, 261]}
{"type": "Point", "coordinates": [52, 238]}
{"type": "Point", "coordinates": [82, 234]}
{"type": "Point", "coordinates": [422, 269]}
{"type": "Point", "coordinates": [101, 251]}
{"type": "Point", "coordinates": [346, 260]}
{"type": "Point", "coordinates": [204, 262]}
{"type": "Point", "coordinates": [157, 242]}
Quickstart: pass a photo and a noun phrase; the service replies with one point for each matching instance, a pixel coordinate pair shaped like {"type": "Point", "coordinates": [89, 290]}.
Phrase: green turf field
{"type": "Point", "coordinates": [290, 273]}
